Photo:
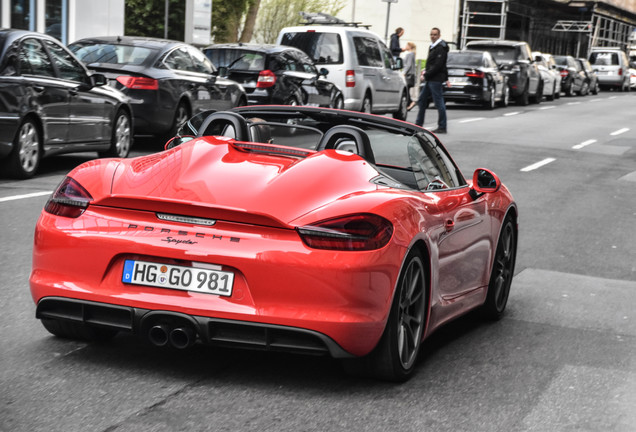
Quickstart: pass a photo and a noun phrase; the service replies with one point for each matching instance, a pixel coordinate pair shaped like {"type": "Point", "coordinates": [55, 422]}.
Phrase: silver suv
{"type": "Point", "coordinates": [611, 66]}
{"type": "Point", "coordinates": [358, 62]}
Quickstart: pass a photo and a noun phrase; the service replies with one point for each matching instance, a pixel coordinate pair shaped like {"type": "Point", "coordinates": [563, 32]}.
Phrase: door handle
{"type": "Point", "coordinates": [73, 92]}
{"type": "Point", "coordinates": [38, 89]}
{"type": "Point", "coordinates": [449, 225]}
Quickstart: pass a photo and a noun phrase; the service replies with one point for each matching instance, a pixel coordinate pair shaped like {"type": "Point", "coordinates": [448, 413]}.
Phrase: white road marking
{"type": "Point", "coordinates": [547, 107]}
{"type": "Point", "coordinates": [596, 100]}
{"type": "Point", "coordinates": [471, 120]}
{"type": "Point", "coordinates": [31, 195]}
{"type": "Point", "coordinates": [574, 103]}
{"type": "Point", "coordinates": [620, 131]}
{"type": "Point", "coordinates": [538, 164]}
{"type": "Point", "coordinates": [584, 144]}
{"type": "Point", "coordinates": [512, 113]}
{"type": "Point", "coordinates": [612, 97]}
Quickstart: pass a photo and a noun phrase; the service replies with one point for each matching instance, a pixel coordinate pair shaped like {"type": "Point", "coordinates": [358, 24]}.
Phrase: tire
{"type": "Point", "coordinates": [570, 90]}
{"type": "Point", "coordinates": [505, 98]}
{"type": "Point", "coordinates": [538, 96]}
{"type": "Point", "coordinates": [596, 89]}
{"type": "Point", "coordinates": [338, 103]}
{"type": "Point", "coordinates": [395, 356]}
{"type": "Point", "coordinates": [584, 89]}
{"type": "Point", "coordinates": [524, 98]}
{"type": "Point", "coordinates": [502, 272]}
{"type": "Point", "coordinates": [121, 137]}
{"type": "Point", "coordinates": [77, 331]}
{"type": "Point", "coordinates": [242, 102]}
{"type": "Point", "coordinates": [490, 103]}
{"type": "Point", "coordinates": [367, 105]}
{"type": "Point", "coordinates": [402, 111]}
{"type": "Point", "coordinates": [292, 101]}
{"type": "Point", "coordinates": [24, 159]}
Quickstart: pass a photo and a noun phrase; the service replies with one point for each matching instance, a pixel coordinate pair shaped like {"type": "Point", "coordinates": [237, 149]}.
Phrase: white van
{"type": "Point", "coordinates": [358, 62]}
{"type": "Point", "coordinates": [611, 66]}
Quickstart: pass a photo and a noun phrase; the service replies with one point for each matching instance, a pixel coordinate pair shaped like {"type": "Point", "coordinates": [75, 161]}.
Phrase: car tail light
{"type": "Point", "coordinates": [564, 73]}
{"type": "Point", "coordinates": [266, 78]}
{"type": "Point", "coordinates": [138, 83]}
{"type": "Point", "coordinates": [350, 78]}
{"type": "Point", "coordinates": [349, 233]}
{"type": "Point", "coordinates": [475, 74]}
{"type": "Point", "coordinates": [70, 199]}
{"type": "Point", "coordinates": [620, 71]}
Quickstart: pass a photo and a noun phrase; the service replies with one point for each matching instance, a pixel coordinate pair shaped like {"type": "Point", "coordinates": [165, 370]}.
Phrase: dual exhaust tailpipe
{"type": "Point", "coordinates": [181, 337]}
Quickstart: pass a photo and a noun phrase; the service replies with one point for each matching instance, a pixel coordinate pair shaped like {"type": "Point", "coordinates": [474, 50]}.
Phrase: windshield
{"type": "Point", "coordinates": [113, 54]}
{"type": "Point", "coordinates": [238, 59]}
{"type": "Point", "coordinates": [464, 59]}
{"type": "Point", "coordinates": [322, 48]}
{"type": "Point", "coordinates": [499, 53]}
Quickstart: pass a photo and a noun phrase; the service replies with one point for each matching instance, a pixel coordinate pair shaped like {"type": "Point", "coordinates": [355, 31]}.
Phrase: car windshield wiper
{"type": "Point", "coordinates": [234, 62]}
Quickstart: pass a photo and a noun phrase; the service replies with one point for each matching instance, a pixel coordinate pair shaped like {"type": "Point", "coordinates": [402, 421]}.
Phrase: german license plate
{"type": "Point", "coordinates": [195, 279]}
{"type": "Point", "coordinates": [458, 80]}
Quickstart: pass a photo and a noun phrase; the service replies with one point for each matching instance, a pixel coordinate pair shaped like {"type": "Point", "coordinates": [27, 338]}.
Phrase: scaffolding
{"type": "Point", "coordinates": [483, 20]}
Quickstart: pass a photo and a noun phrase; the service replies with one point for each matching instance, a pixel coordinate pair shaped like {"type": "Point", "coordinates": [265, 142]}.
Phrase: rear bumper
{"type": "Point", "coordinates": [472, 94]}
{"type": "Point", "coordinates": [210, 331]}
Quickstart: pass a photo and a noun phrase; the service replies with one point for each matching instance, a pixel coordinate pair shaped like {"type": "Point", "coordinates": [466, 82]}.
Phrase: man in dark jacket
{"type": "Point", "coordinates": [394, 45]}
{"type": "Point", "coordinates": [433, 77]}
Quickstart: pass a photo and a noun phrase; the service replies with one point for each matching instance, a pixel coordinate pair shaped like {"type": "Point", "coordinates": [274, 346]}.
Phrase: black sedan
{"type": "Point", "coordinates": [167, 81]}
{"type": "Point", "coordinates": [50, 104]}
{"type": "Point", "coordinates": [573, 79]}
{"type": "Point", "coordinates": [474, 77]}
{"type": "Point", "coordinates": [275, 74]}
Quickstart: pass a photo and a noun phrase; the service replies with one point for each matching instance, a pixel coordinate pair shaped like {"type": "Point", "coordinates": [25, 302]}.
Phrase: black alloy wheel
{"type": "Point", "coordinates": [502, 272]}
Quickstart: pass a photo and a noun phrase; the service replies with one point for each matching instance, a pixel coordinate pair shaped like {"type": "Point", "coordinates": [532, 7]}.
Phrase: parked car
{"type": "Point", "coordinates": [167, 81]}
{"type": "Point", "coordinates": [275, 74]}
{"type": "Point", "coordinates": [358, 62]}
{"type": "Point", "coordinates": [50, 104]}
{"type": "Point", "coordinates": [590, 75]}
{"type": "Point", "coordinates": [632, 78]}
{"type": "Point", "coordinates": [573, 79]}
{"type": "Point", "coordinates": [551, 78]}
{"type": "Point", "coordinates": [341, 233]}
{"type": "Point", "coordinates": [611, 66]}
{"type": "Point", "coordinates": [475, 77]}
{"type": "Point", "coordinates": [515, 61]}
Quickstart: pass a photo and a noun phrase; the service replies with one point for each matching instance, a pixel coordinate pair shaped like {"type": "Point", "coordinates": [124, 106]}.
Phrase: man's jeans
{"type": "Point", "coordinates": [431, 89]}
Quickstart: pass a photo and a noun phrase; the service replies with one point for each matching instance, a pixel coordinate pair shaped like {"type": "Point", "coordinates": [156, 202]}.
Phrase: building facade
{"type": "Point", "coordinates": [67, 20]}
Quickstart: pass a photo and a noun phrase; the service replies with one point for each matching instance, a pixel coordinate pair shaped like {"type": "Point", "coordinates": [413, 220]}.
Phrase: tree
{"type": "Point", "coordinates": [147, 18]}
{"type": "Point", "coordinates": [234, 20]}
{"type": "Point", "coordinates": [276, 14]}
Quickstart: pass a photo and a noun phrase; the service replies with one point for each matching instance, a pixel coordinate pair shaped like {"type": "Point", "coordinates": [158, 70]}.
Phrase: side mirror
{"type": "Point", "coordinates": [398, 63]}
{"type": "Point", "coordinates": [484, 181]}
{"type": "Point", "coordinates": [222, 71]}
{"type": "Point", "coordinates": [98, 79]}
{"type": "Point", "coordinates": [324, 72]}
{"type": "Point", "coordinates": [177, 140]}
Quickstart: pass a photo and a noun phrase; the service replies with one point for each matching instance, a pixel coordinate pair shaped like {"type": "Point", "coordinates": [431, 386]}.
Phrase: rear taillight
{"type": "Point", "coordinates": [349, 233]}
{"type": "Point", "coordinates": [138, 83]}
{"type": "Point", "coordinates": [564, 73]}
{"type": "Point", "coordinates": [266, 78]}
{"type": "Point", "coordinates": [350, 78]}
{"type": "Point", "coordinates": [475, 74]}
{"type": "Point", "coordinates": [620, 71]}
{"type": "Point", "coordinates": [70, 199]}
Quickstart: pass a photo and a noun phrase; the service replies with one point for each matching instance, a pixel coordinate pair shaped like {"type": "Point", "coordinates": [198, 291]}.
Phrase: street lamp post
{"type": "Point", "coordinates": [388, 13]}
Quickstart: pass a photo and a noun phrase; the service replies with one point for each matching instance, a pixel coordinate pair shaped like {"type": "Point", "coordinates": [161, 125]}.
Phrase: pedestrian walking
{"type": "Point", "coordinates": [409, 72]}
{"type": "Point", "coordinates": [394, 45]}
{"type": "Point", "coordinates": [433, 78]}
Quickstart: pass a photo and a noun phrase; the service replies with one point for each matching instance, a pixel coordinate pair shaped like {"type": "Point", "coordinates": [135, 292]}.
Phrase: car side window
{"type": "Point", "coordinates": [388, 57]}
{"type": "Point", "coordinates": [432, 168]}
{"type": "Point", "coordinates": [34, 59]}
{"type": "Point", "coordinates": [290, 63]}
{"type": "Point", "coordinates": [367, 51]}
{"type": "Point", "coordinates": [67, 67]}
{"type": "Point", "coordinates": [200, 62]}
{"type": "Point", "coordinates": [307, 64]}
{"type": "Point", "coordinates": [179, 59]}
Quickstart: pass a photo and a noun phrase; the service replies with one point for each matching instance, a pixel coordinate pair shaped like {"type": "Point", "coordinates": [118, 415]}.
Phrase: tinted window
{"type": "Point", "coordinates": [322, 48]}
{"type": "Point", "coordinates": [389, 62]}
{"type": "Point", "coordinates": [368, 52]}
{"type": "Point", "coordinates": [109, 53]}
{"type": "Point", "coordinates": [464, 59]}
{"type": "Point", "coordinates": [238, 59]}
{"type": "Point", "coordinates": [306, 63]}
{"type": "Point", "coordinates": [67, 66]}
{"type": "Point", "coordinates": [561, 61]}
{"type": "Point", "coordinates": [200, 62]}
{"type": "Point", "coordinates": [180, 60]}
{"type": "Point", "coordinates": [499, 53]}
{"type": "Point", "coordinates": [34, 60]}
{"type": "Point", "coordinates": [604, 59]}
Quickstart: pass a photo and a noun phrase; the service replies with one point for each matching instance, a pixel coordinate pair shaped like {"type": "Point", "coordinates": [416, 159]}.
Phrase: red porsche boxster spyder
{"type": "Point", "coordinates": [278, 227]}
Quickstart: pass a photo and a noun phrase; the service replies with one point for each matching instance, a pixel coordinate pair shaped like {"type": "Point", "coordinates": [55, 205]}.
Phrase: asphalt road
{"type": "Point", "coordinates": [562, 359]}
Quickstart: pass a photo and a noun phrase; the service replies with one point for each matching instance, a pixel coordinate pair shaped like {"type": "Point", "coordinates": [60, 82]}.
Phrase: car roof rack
{"type": "Point", "coordinates": [321, 18]}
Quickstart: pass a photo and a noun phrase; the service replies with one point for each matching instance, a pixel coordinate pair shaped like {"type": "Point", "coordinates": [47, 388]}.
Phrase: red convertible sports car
{"type": "Point", "coordinates": [278, 227]}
